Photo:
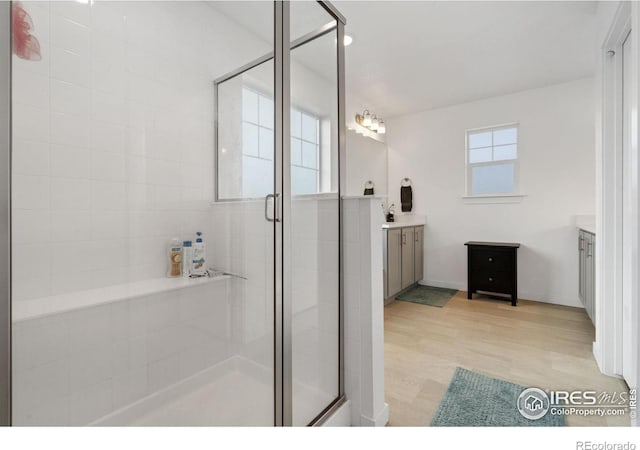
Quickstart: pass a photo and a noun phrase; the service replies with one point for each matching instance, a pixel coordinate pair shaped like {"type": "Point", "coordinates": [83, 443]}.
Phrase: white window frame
{"type": "Point", "coordinates": [496, 197]}
{"type": "Point", "coordinates": [318, 169]}
{"type": "Point", "coordinates": [318, 143]}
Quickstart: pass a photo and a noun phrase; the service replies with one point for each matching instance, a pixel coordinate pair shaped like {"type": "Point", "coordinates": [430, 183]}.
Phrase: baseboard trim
{"type": "Point", "coordinates": [380, 421]}
{"type": "Point", "coordinates": [597, 356]}
{"type": "Point", "coordinates": [443, 284]}
{"type": "Point", "coordinates": [524, 295]}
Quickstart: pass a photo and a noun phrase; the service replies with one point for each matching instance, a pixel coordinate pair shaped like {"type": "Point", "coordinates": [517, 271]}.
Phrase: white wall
{"type": "Point", "coordinates": [557, 175]}
{"type": "Point", "coordinates": [113, 139]}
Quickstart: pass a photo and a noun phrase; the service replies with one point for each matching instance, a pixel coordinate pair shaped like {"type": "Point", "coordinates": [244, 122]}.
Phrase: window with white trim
{"type": "Point", "coordinates": [305, 153]}
{"type": "Point", "coordinates": [257, 147]}
{"type": "Point", "coordinates": [492, 160]}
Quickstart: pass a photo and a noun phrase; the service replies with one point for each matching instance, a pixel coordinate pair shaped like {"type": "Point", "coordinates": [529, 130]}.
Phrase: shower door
{"type": "Point", "coordinates": [313, 187]}
{"type": "Point", "coordinates": [302, 197]}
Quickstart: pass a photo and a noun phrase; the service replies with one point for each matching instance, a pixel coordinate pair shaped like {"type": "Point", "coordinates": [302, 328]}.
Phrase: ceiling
{"type": "Point", "coordinates": [420, 55]}
{"type": "Point", "coordinates": [413, 56]}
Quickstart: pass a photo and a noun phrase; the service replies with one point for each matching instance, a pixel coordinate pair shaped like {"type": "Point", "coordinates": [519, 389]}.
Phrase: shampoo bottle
{"type": "Point", "coordinates": [198, 264]}
{"type": "Point", "coordinates": [175, 259]}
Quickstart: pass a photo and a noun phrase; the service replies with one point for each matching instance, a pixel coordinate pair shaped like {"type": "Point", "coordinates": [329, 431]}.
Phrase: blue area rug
{"type": "Point", "coordinates": [475, 400]}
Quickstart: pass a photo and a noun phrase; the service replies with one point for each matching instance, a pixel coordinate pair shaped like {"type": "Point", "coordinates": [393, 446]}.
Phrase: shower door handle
{"type": "Point", "coordinates": [275, 198]}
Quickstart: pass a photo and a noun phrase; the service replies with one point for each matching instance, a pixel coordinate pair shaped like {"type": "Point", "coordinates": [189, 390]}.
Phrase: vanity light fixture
{"type": "Point", "coordinates": [374, 123]}
{"type": "Point", "coordinates": [366, 118]}
{"type": "Point", "coordinates": [371, 122]}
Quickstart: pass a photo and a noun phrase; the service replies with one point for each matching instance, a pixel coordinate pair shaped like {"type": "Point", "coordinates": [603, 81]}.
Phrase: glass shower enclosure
{"type": "Point", "coordinates": [128, 128]}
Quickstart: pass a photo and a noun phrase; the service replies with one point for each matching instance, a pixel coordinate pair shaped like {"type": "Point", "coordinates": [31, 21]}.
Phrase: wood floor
{"type": "Point", "coordinates": [533, 344]}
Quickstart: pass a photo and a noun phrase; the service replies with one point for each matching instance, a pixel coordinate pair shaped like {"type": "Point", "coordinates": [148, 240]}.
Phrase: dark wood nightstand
{"type": "Point", "coordinates": [492, 267]}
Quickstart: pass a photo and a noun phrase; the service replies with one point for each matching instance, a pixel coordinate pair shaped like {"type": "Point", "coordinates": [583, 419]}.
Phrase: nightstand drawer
{"type": "Point", "coordinates": [492, 281]}
{"type": "Point", "coordinates": [491, 259]}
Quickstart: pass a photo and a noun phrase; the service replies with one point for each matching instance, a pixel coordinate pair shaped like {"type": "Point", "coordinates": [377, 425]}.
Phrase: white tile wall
{"type": "Point", "coordinates": [113, 156]}
{"type": "Point", "coordinates": [101, 138]}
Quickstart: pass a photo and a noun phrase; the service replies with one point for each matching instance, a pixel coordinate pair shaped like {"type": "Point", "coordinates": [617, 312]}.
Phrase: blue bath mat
{"type": "Point", "coordinates": [427, 295]}
{"type": "Point", "coordinates": [475, 400]}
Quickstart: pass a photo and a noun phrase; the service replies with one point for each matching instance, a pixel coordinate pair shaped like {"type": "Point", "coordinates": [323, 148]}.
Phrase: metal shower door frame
{"type": "Point", "coordinates": [5, 214]}
{"type": "Point", "coordinates": [283, 341]}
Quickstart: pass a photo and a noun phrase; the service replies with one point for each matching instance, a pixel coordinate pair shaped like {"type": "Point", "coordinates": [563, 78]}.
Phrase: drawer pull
{"type": "Point", "coordinates": [490, 259]}
{"type": "Point", "coordinates": [490, 279]}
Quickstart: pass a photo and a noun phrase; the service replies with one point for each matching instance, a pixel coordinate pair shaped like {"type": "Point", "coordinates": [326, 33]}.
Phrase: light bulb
{"type": "Point", "coordinates": [347, 40]}
{"type": "Point", "coordinates": [374, 123]}
{"type": "Point", "coordinates": [366, 121]}
{"type": "Point", "coordinates": [381, 128]}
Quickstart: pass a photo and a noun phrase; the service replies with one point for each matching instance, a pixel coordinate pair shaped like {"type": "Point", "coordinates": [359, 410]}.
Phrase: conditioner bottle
{"type": "Point", "coordinates": [198, 260]}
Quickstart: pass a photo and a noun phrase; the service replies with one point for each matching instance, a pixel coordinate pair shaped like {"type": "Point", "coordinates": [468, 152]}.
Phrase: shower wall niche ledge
{"type": "Point", "coordinates": [57, 304]}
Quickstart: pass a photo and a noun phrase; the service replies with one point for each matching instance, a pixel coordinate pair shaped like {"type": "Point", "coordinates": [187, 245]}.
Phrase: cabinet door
{"type": "Point", "coordinates": [418, 249]}
{"type": "Point", "coordinates": [407, 257]}
{"type": "Point", "coordinates": [581, 266]}
{"type": "Point", "coordinates": [394, 261]}
{"type": "Point", "coordinates": [591, 277]}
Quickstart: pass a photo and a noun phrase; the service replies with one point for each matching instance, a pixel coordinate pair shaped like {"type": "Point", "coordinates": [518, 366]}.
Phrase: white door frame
{"type": "Point", "coordinates": [609, 259]}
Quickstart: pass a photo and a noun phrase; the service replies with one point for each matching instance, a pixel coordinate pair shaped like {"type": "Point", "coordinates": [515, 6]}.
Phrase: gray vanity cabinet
{"type": "Point", "coordinates": [418, 250]}
{"type": "Point", "coordinates": [402, 258]}
{"type": "Point", "coordinates": [393, 260]}
{"type": "Point", "coordinates": [408, 262]}
{"type": "Point", "coordinates": [587, 272]}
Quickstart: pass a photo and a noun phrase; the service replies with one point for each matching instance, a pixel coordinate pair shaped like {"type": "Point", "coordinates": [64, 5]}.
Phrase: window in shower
{"type": "Point", "coordinates": [250, 151]}
{"type": "Point", "coordinates": [305, 150]}
{"type": "Point", "coordinates": [257, 144]}
{"type": "Point", "coordinates": [257, 147]}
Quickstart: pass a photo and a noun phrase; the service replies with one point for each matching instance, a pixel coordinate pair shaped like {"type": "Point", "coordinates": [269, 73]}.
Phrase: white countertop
{"type": "Point", "coordinates": [363, 197]}
{"type": "Point", "coordinates": [589, 227]}
{"type": "Point", "coordinates": [586, 223]}
{"type": "Point", "coordinates": [388, 225]}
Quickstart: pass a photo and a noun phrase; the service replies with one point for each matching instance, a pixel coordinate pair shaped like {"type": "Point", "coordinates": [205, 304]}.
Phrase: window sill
{"type": "Point", "coordinates": [492, 199]}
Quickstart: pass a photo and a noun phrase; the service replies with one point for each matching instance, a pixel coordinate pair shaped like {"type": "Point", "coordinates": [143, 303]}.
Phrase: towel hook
{"type": "Point", "coordinates": [406, 182]}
